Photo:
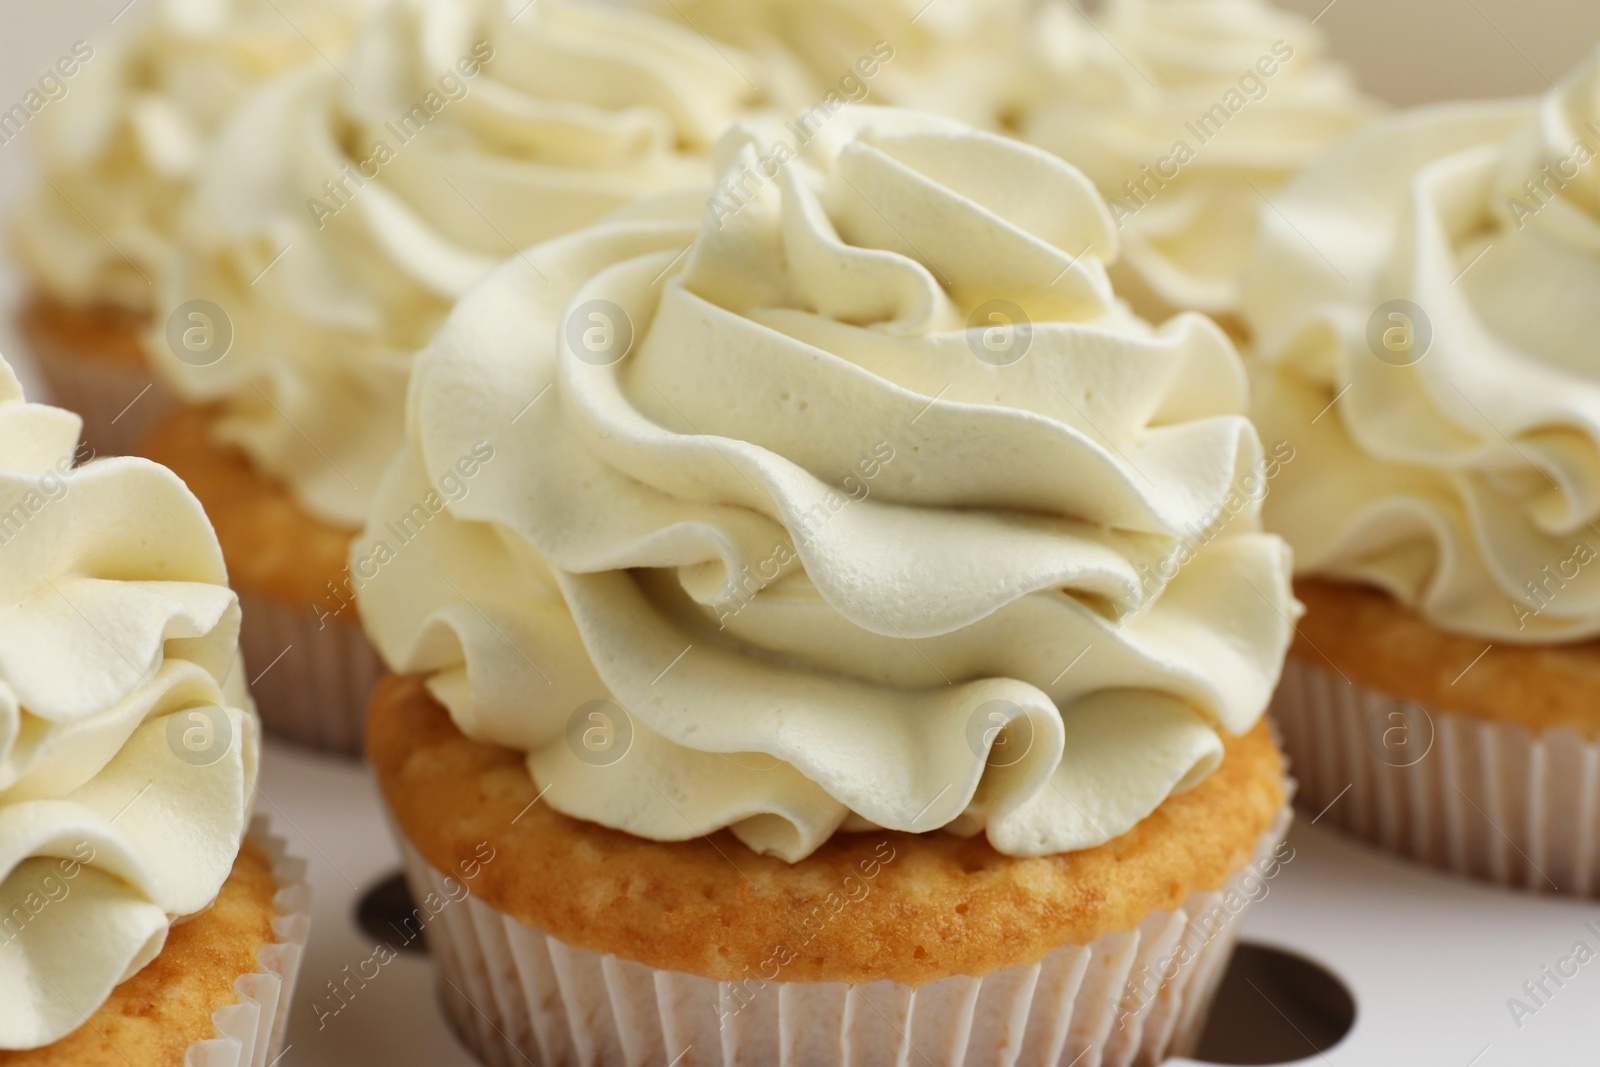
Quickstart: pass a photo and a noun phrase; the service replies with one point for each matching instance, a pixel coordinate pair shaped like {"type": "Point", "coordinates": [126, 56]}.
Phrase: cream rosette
{"type": "Point", "coordinates": [127, 750]}
{"type": "Point", "coordinates": [133, 121]}
{"type": "Point", "coordinates": [764, 488]}
{"type": "Point", "coordinates": [467, 129]}
{"type": "Point", "coordinates": [1434, 274]}
{"type": "Point", "coordinates": [1186, 113]}
{"type": "Point", "coordinates": [957, 57]}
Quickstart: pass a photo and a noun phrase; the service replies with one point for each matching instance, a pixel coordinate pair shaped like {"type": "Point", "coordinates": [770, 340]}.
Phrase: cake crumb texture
{"type": "Point", "coordinates": [151, 1019]}
{"type": "Point", "coordinates": [909, 908]}
{"type": "Point", "coordinates": [1373, 639]}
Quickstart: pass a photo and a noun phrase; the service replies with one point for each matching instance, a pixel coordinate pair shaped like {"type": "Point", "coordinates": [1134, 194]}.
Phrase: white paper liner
{"type": "Point", "coordinates": [1490, 800]}
{"type": "Point", "coordinates": [251, 1032]}
{"type": "Point", "coordinates": [312, 683]}
{"type": "Point", "coordinates": [517, 996]}
{"type": "Point", "coordinates": [121, 405]}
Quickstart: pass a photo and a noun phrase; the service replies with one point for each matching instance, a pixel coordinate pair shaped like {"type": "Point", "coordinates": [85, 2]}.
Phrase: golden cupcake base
{"type": "Point", "coordinates": [93, 360]}
{"type": "Point", "coordinates": [219, 993]}
{"type": "Point", "coordinates": [309, 665]}
{"type": "Point", "coordinates": [1480, 760]}
{"type": "Point", "coordinates": [578, 940]}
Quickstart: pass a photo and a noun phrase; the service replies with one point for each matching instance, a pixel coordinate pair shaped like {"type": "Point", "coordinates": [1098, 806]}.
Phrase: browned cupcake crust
{"type": "Point", "coordinates": [151, 1019]}
{"type": "Point", "coordinates": [271, 546]}
{"type": "Point", "coordinates": [910, 908]}
{"type": "Point", "coordinates": [101, 332]}
{"type": "Point", "coordinates": [1373, 639]}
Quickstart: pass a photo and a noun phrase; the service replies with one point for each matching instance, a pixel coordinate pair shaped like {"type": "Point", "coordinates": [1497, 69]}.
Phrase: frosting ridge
{"type": "Point", "coordinates": [1462, 472]}
{"type": "Point", "coordinates": [471, 131]}
{"type": "Point", "coordinates": [1176, 110]}
{"type": "Point", "coordinates": [128, 747]}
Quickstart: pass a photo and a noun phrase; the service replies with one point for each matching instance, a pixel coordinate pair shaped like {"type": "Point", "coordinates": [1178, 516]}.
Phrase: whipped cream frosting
{"type": "Point", "coordinates": [957, 57]}
{"type": "Point", "coordinates": [736, 522]}
{"type": "Point", "coordinates": [128, 746]}
{"type": "Point", "coordinates": [1460, 468]}
{"type": "Point", "coordinates": [122, 144]}
{"type": "Point", "coordinates": [337, 221]}
{"type": "Point", "coordinates": [1187, 115]}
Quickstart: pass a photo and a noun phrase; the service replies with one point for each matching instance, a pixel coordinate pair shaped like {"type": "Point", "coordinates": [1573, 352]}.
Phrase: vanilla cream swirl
{"type": "Point", "coordinates": [127, 745]}
{"type": "Point", "coordinates": [468, 129]}
{"type": "Point", "coordinates": [1437, 275]}
{"type": "Point", "coordinates": [822, 565]}
{"type": "Point", "coordinates": [1186, 114]}
{"type": "Point", "coordinates": [957, 57]}
{"type": "Point", "coordinates": [122, 142]}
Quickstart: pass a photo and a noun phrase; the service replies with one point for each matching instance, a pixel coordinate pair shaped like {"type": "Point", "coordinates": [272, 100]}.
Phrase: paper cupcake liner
{"type": "Point", "coordinates": [121, 406]}
{"type": "Point", "coordinates": [517, 996]}
{"type": "Point", "coordinates": [251, 1032]}
{"type": "Point", "coordinates": [311, 682]}
{"type": "Point", "coordinates": [1478, 797]}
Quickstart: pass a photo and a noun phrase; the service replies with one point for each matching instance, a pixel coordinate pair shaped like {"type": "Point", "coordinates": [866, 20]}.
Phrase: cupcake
{"type": "Point", "coordinates": [841, 603]}
{"type": "Point", "coordinates": [1423, 306]}
{"type": "Point", "coordinates": [119, 135]}
{"type": "Point", "coordinates": [1189, 115]}
{"type": "Point", "coordinates": [332, 229]}
{"type": "Point", "coordinates": [143, 918]}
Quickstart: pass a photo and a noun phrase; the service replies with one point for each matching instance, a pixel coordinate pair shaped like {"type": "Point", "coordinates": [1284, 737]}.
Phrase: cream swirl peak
{"type": "Point", "coordinates": [474, 128]}
{"type": "Point", "coordinates": [1435, 274]}
{"type": "Point", "coordinates": [1185, 114]}
{"type": "Point", "coordinates": [127, 744]}
{"type": "Point", "coordinates": [797, 520]}
{"type": "Point", "coordinates": [134, 117]}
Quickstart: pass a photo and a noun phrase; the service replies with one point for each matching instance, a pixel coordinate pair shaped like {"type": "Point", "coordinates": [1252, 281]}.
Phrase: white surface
{"type": "Point", "coordinates": [328, 810]}
{"type": "Point", "coordinates": [1431, 959]}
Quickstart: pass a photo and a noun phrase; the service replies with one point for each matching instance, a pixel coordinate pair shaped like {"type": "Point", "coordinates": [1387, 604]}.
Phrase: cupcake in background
{"type": "Point", "coordinates": [1190, 116]}
{"type": "Point", "coordinates": [860, 528]}
{"type": "Point", "coordinates": [957, 57]}
{"type": "Point", "coordinates": [142, 917]}
{"type": "Point", "coordinates": [333, 226]}
{"type": "Point", "coordinates": [1185, 113]}
{"type": "Point", "coordinates": [127, 124]}
{"type": "Point", "coordinates": [1427, 331]}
